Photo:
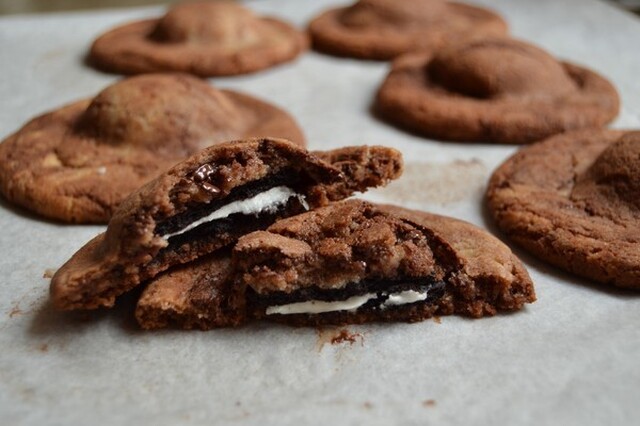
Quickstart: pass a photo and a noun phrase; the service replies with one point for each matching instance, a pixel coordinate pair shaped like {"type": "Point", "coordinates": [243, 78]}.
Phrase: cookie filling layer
{"type": "Point", "coordinates": [319, 306]}
{"type": "Point", "coordinates": [394, 295]}
{"type": "Point", "coordinates": [265, 202]}
{"type": "Point", "coordinates": [260, 198]}
{"type": "Point", "coordinates": [350, 305]}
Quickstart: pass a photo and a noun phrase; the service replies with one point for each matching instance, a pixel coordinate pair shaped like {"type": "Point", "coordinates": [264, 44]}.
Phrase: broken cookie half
{"type": "Point", "coordinates": [349, 262]}
{"type": "Point", "coordinates": [206, 203]}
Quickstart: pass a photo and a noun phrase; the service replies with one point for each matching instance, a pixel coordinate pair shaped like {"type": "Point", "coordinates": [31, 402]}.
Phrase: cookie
{"type": "Point", "coordinates": [349, 262]}
{"type": "Point", "coordinates": [493, 90]}
{"type": "Point", "coordinates": [200, 294]}
{"type": "Point", "coordinates": [573, 200]}
{"type": "Point", "coordinates": [77, 163]}
{"type": "Point", "coordinates": [205, 203]}
{"type": "Point", "coordinates": [384, 29]}
{"type": "Point", "coordinates": [203, 38]}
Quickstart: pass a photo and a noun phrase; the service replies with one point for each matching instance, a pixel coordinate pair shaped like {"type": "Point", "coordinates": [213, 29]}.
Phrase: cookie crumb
{"type": "Point", "coordinates": [43, 347]}
{"type": "Point", "coordinates": [367, 405]}
{"type": "Point", "coordinates": [429, 402]}
{"type": "Point", "coordinates": [15, 311]}
{"type": "Point", "coordinates": [337, 336]}
{"type": "Point", "coordinates": [49, 273]}
{"type": "Point", "coordinates": [345, 336]}
{"type": "Point", "coordinates": [437, 319]}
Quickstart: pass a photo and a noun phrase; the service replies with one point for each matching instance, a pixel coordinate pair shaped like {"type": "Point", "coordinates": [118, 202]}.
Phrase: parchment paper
{"type": "Point", "coordinates": [570, 359]}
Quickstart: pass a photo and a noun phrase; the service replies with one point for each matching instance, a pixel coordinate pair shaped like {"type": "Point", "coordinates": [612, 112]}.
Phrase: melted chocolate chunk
{"type": "Point", "coordinates": [209, 187]}
{"type": "Point", "coordinates": [381, 288]}
{"type": "Point", "coordinates": [203, 173]}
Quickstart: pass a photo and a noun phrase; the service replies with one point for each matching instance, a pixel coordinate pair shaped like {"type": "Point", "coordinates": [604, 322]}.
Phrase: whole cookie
{"type": "Point", "coordinates": [207, 39]}
{"type": "Point", "coordinates": [77, 163]}
{"type": "Point", "coordinates": [574, 201]}
{"type": "Point", "coordinates": [206, 203]}
{"type": "Point", "coordinates": [384, 29]}
{"type": "Point", "coordinates": [349, 262]}
{"type": "Point", "coordinates": [493, 90]}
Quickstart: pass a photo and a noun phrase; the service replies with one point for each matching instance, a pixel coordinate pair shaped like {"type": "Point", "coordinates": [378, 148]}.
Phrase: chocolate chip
{"type": "Point", "coordinates": [203, 173]}
{"type": "Point", "coordinates": [210, 188]}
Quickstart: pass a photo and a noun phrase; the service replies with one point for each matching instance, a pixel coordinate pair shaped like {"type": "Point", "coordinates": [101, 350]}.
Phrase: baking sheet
{"type": "Point", "coordinates": [570, 358]}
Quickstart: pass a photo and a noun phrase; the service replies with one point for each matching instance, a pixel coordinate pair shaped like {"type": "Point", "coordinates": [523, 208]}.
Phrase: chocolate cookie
{"type": "Point", "coordinates": [574, 201]}
{"type": "Point", "coordinates": [206, 203]}
{"type": "Point", "coordinates": [202, 38]}
{"type": "Point", "coordinates": [494, 90]}
{"type": "Point", "coordinates": [384, 29]}
{"type": "Point", "coordinates": [200, 294]}
{"type": "Point", "coordinates": [77, 163]}
{"type": "Point", "coordinates": [349, 262]}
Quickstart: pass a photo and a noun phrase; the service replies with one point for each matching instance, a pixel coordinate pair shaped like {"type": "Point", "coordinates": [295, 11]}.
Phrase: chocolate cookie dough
{"type": "Point", "coordinates": [574, 201]}
{"type": "Point", "coordinates": [384, 29]}
{"type": "Point", "coordinates": [349, 262]}
{"type": "Point", "coordinates": [493, 90]}
{"type": "Point", "coordinates": [207, 38]}
{"type": "Point", "coordinates": [77, 163]}
{"type": "Point", "coordinates": [206, 203]}
{"type": "Point", "coordinates": [200, 294]}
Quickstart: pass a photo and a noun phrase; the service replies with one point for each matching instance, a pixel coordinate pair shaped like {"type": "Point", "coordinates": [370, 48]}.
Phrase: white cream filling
{"type": "Point", "coordinates": [405, 297]}
{"type": "Point", "coordinates": [320, 306]}
{"type": "Point", "coordinates": [350, 304]}
{"type": "Point", "coordinates": [264, 202]}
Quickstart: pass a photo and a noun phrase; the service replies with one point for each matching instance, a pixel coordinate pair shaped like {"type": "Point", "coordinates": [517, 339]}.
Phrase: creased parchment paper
{"type": "Point", "coordinates": [569, 359]}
